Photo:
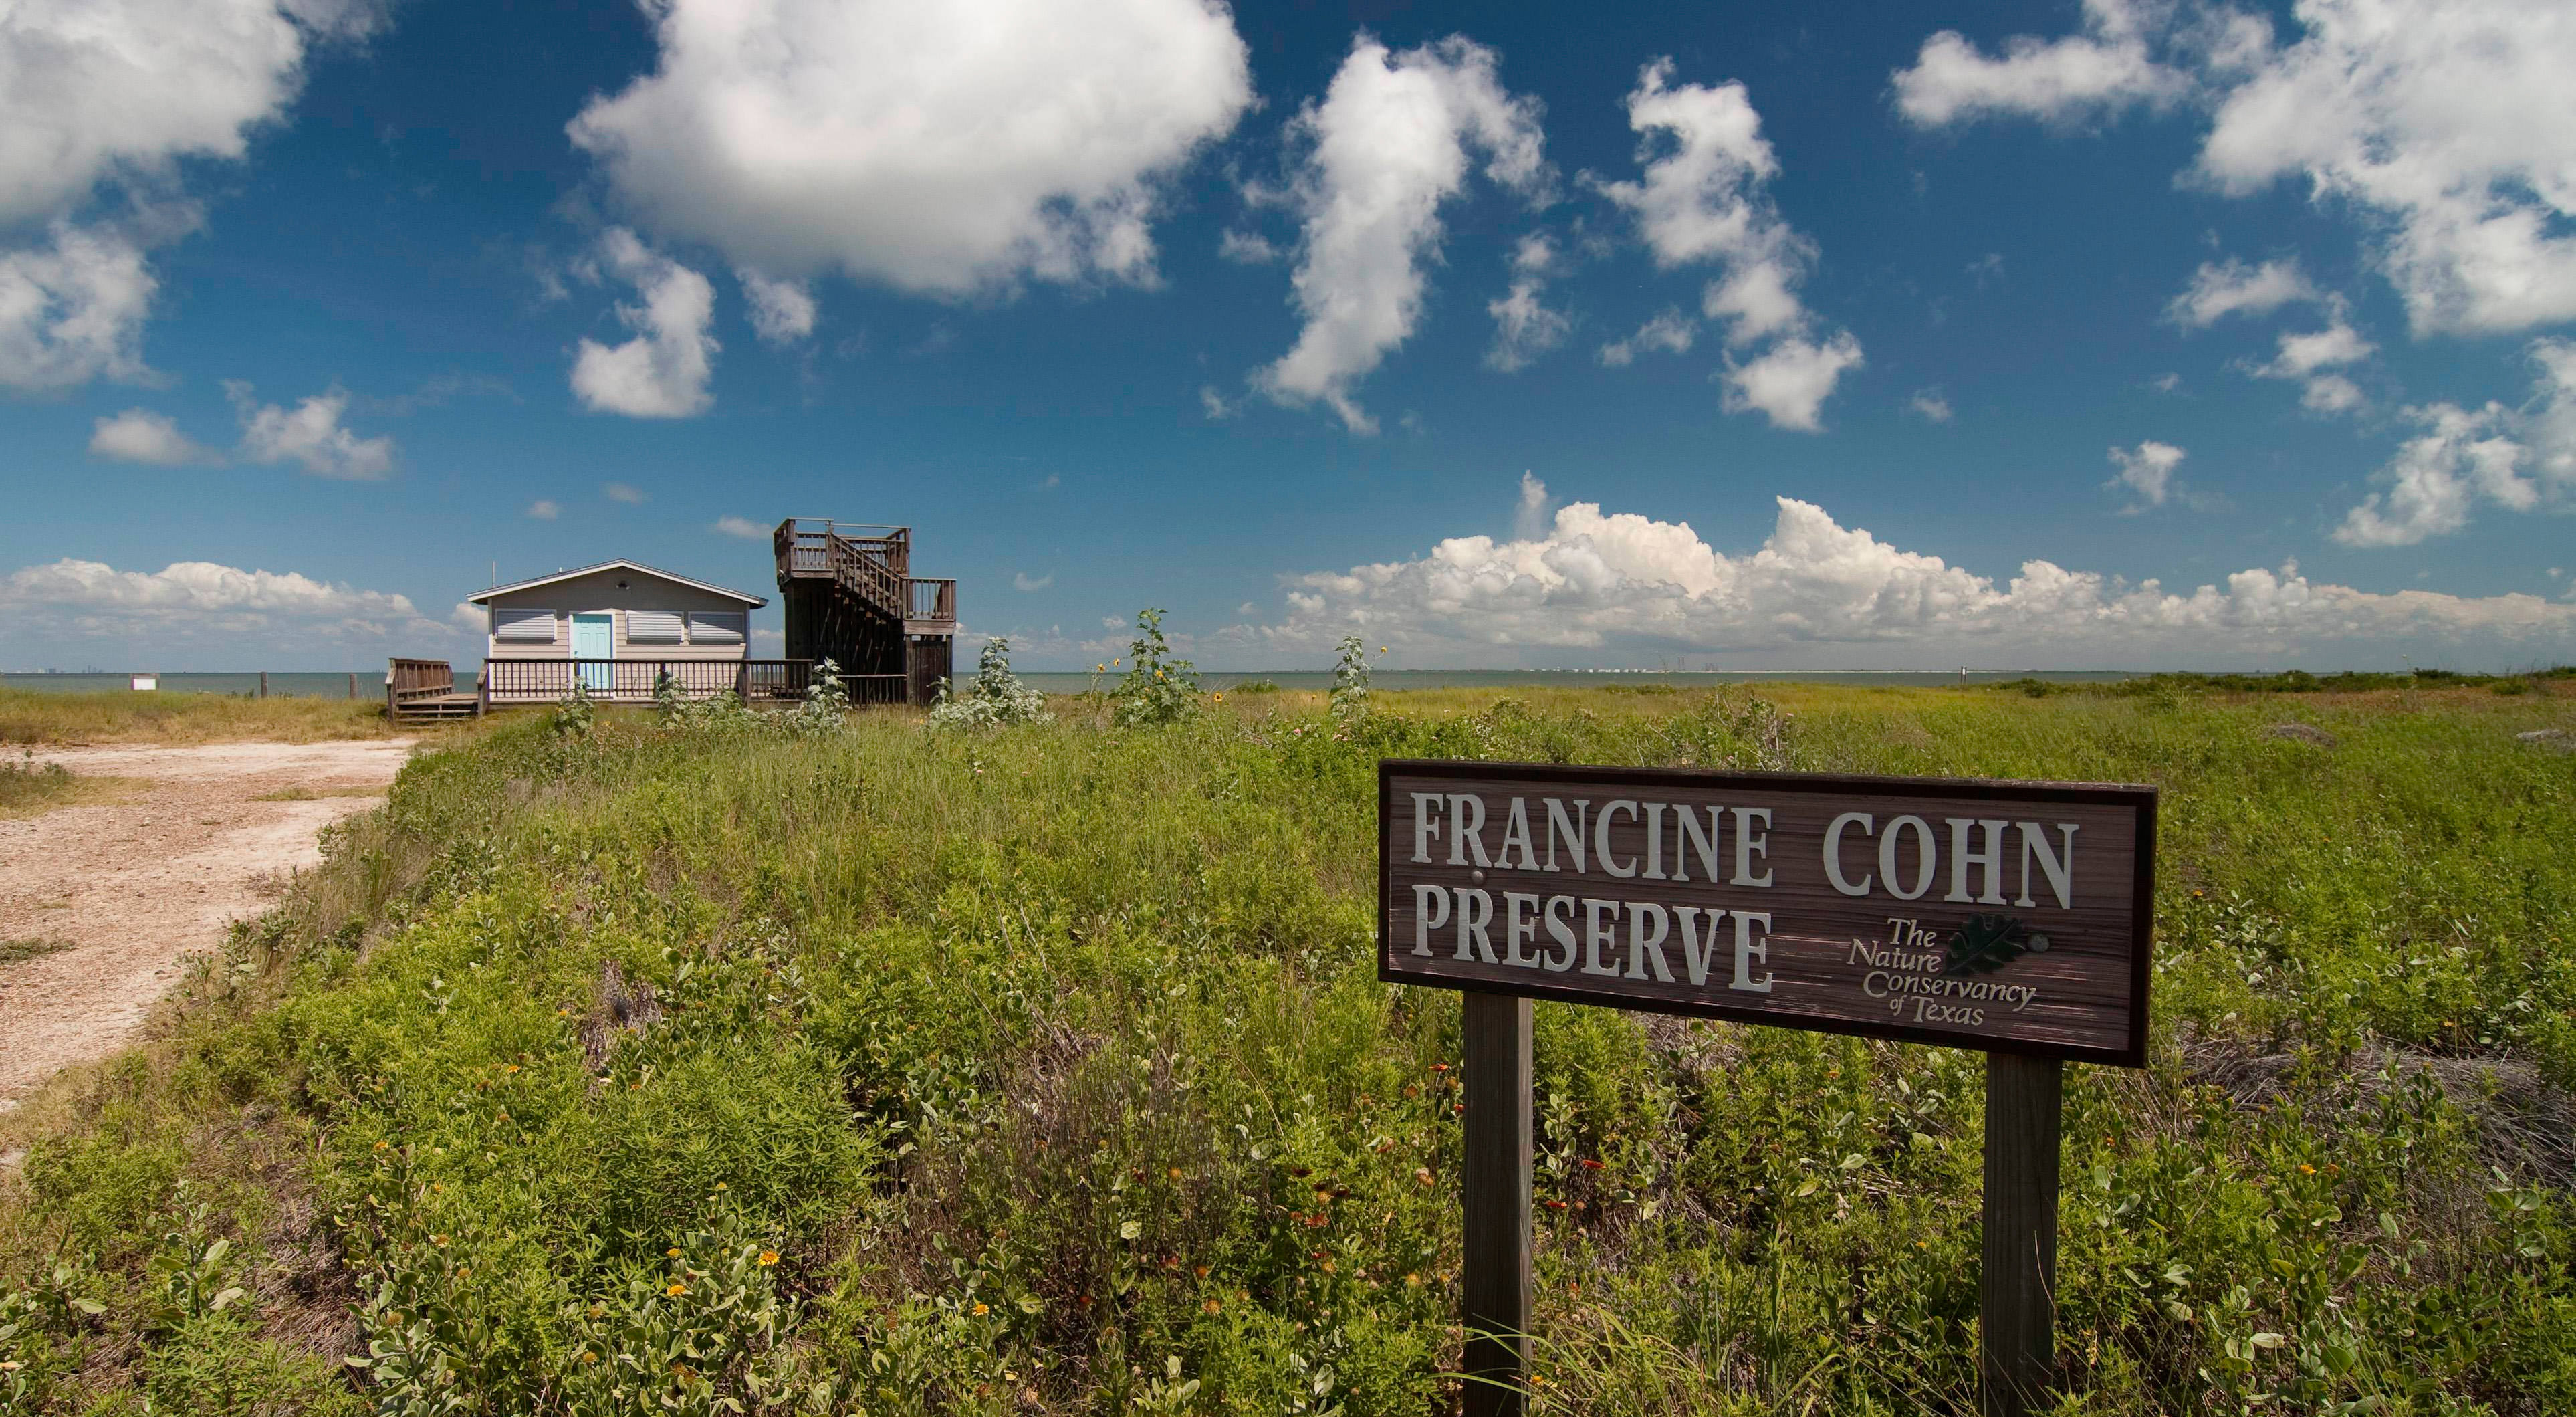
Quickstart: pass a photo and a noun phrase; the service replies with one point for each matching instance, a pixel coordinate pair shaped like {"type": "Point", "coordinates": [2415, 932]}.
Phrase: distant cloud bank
{"type": "Point", "coordinates": [203, 611]}
{"type": "Point", "coordinates": [1619, 588]}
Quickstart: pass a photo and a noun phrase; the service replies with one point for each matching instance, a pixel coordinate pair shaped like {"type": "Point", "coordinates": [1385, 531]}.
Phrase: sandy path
{"type": "Point", "coordinates": [137, 884]}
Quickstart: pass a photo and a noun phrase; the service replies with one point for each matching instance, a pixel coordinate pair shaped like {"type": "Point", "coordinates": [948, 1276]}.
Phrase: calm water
{"type": "Point", "coordinates": [371, 682]}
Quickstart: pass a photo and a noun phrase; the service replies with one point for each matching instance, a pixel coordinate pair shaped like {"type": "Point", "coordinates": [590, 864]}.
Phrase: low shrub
{"type": "Point", "coordinates": [995, 697]}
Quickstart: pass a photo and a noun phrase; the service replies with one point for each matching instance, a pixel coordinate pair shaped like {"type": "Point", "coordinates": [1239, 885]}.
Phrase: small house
{"type": "Point", "coordinates": [622, 630]}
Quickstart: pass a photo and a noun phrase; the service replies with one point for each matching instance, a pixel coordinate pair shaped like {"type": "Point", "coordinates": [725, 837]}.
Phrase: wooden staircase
{"type": "Point", "coordinates": [851, 597]}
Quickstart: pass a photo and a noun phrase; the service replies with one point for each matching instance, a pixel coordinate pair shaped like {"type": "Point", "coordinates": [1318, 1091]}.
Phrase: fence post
{"type": "Point", "coordinates": [353, 684]}
{"type": "Point", "coordinates": [263, 683]}
{"type": "Point", "coordinates": [1495, 1296]}
{"type": "Point", "coordinates": [2018, 1298]}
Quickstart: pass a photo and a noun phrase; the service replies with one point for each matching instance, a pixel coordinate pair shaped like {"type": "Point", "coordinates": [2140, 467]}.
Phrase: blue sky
{"type": "Point", "coordinates": [2116, 335]}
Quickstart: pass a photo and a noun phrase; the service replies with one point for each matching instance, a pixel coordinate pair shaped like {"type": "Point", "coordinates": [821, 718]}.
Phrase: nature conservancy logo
{"type": "Point", "coordinates": [1925, 978]}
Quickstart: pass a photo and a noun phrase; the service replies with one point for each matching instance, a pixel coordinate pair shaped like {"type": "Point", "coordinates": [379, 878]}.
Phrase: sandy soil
{"type": "Point", "coordinates": [138, 883]}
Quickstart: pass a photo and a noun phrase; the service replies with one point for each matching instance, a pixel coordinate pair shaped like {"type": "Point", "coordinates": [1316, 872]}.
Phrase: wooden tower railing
{"type": "Point", "coordinates": [873, 564]}
{"type": "Point", "coordinates": [851, 597]}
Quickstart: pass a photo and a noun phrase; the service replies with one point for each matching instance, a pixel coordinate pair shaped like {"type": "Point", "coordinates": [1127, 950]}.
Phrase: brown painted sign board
{"type": "Point", "coordinates": [2012, 917]}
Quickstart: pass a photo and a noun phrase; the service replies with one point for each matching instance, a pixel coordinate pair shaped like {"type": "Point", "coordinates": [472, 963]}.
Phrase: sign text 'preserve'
{"type": "Point", "coordinates": [2007, 916]}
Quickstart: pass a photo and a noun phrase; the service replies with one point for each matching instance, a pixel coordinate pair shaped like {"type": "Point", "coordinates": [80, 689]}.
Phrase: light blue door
{"type": "Point", "coordinates": [594, 637]}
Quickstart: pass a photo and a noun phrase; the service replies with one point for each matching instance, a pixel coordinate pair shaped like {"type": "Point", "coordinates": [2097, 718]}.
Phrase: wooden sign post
{"type": "Point", "coordinates": [2010, 917]}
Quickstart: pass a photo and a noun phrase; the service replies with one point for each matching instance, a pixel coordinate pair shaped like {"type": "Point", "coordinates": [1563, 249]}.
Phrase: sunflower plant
{"type": "Point", "coordinates": [1158, 688]}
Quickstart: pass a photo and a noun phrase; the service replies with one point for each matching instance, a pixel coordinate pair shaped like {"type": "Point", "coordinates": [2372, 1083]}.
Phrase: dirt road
{"type": "Point", "coordinates": [136, 884]}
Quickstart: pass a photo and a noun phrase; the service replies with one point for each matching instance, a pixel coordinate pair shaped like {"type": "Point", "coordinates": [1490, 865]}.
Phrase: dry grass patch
{"type": "Point", "coordinates": [316, 794]}
{"type": "Point", "coordinates": [20, 951]}
{"type": "Point", "coordinates": [28, 716]}
{"type": "Point", "coordinates": [29, 788]}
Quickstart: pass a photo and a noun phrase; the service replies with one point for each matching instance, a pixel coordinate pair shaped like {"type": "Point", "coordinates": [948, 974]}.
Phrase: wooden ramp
{"type": "Point", "coordinates": [424, 690]}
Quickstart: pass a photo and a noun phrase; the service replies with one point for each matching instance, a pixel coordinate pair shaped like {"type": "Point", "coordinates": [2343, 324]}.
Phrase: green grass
{"type": "Point", "coordinates": [29, 788]}
{"type": "Point", "coordinates": [32, 716]}
{"type": "Point", "coordinates": [17, 951]}
{"type": "Point", "coordinates": [1046, 1070]}
{"type": "Point", "coordinates": [316, 794]}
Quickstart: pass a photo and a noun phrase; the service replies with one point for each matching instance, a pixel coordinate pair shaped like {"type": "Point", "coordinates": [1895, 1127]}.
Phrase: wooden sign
{"type": "Point", "coordinates": [2011, 917]}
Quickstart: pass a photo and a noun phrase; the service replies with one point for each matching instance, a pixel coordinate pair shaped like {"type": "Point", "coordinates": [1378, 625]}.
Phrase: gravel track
{"type": "Point", "coordinates": [137, 884]}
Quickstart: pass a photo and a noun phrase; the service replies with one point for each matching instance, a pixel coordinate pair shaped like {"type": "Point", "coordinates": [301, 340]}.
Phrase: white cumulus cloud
{"type": "Point", "coordinates": [2331, 393]}
{"type": "Point", "coordinates": [2304, 354]}
{"type": "Point", "coordinates": [2521, 459]}
{"type": "Point", "coordinates": [2305, 358]}
{"type": "Point", "coordinates": [782, 311]}
{"type": "Point", "coordinates": [72, 310]}
{"type": "Point", "coordinates": [140, 435]}
{"type": "Point", "coordinates": [1790, 381]}
{"type": "Point", "coordinates": [2452, 123]}
{"type": "Point", "coordinates": [1246, 248]}
{"type": "Point", "coordinates": [1671, 332]}
{"type": "Point", "coordinates": [663, 372]}
{"type": "Point", "coordinates": [945, 148]}
{"type": "Point", "coordinates": [2146, 470]}
{"type": "Point", "coordinates": [1386, 147]}
{"type": "Point", "coordinates": [2448, 127]}
{"type": "Point", "coordinates": [1606, 587]}
{"type": "Point", "coordinates": [545, 509]}
{"type": "Point", "coordinates": [1703, 198]}
{"type": "Point", "coordinates": [1931, 404]}
{"type": "Point", "coordinates": [743, 527]}
{"type": "Point", "coordinates": [2220, 289]}
{"type": "Point", "coordinates": [1524, 327]}
{"type": "Point", "coordinates": [73, 599]}
{"type": "Point", "coordinates": [2106, 68]}
{"type": "Point", "coordinates": [103, 98]}
{"type": "Point", "coordinates": [310, 435]}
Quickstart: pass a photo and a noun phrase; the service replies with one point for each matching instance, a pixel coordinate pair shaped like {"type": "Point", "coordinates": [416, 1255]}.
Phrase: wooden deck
{"type": "Point", "coordinates": [421, 690]}
{"type": "Point", "coordinates": [640, 681]}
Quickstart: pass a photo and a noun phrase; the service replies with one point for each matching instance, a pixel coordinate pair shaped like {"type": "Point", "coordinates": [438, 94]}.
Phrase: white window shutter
{"type": "Point", "coordinates": [716, 627]}
{"type": "Point", "coordinates": [653, 627]}
{"type": "Point", "coordinates": [524, 627]}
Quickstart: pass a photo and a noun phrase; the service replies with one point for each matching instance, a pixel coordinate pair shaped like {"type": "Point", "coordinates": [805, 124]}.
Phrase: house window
{"type": "Point", "coordinates": [653, 627]}
{"type": "Point", "coordinates": [716, 627]}
{"type": "Point", "coordinates": [523, 627]}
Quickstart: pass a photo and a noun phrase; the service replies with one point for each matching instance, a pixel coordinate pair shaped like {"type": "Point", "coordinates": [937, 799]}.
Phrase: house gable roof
{"type": "Point", "coordinates": [750, 601]}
